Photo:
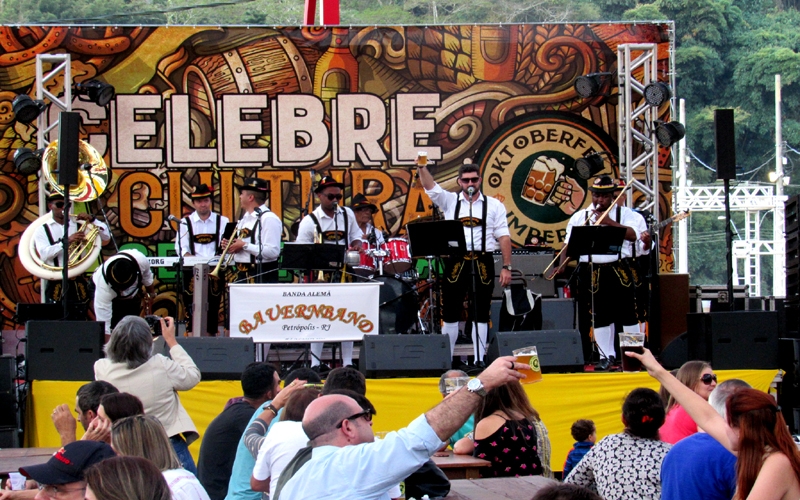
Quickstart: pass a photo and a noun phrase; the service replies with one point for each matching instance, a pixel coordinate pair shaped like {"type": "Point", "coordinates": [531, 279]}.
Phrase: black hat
{"type": "Point", "coordinates": [121, 274]}
{"type": "Point", "coordinates": [360, 201]}
{"type": "Point", "coordinates": [200, 192]}
{"type": "Point", "coordinates": [253, 184]}
{"type": "Point", "coordinates": [327, 182]}
{"type": "Point", "coordinates": [69, 463]}
{"type": "Point", "coordinates": [603, 184]}
{"type": "Point", "coordinates": [53, 196]}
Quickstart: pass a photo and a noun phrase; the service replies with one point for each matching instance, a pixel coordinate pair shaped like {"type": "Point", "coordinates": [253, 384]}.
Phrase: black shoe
{"type": "Point", "coordinates": [602, 365]}
{"type": "Point", "coordinates": [480, 364]}
{"type": "Point", "coordinates": [612, 361]}
{"type": "Point", "coordinates": [321, 368]}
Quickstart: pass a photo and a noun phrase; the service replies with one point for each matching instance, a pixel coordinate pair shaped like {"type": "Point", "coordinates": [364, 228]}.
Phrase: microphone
{"type": "Point", "coordinates": [470, 190]}
{"type": "Point", "coordinates": [174, 219]}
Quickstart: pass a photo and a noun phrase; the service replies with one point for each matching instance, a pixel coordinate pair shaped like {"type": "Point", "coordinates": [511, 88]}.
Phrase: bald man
{"type": "Point", "coordinates": [345, 461]}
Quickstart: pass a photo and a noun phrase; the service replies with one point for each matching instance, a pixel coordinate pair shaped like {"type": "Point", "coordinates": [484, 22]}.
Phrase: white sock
{"type": "Point", "coordinates": [451, 330]}
{"type": "Point", "coordinates": [604, 336]}
{"type": "Point", "coordinates": [638, 327]}
{"type": "Point", "coordinates": [265, 350]}
{"type": "Point", "coordinates": [347, 353]}
{"type": "Point", "coordinates": [316, 353]}
{"type": "Point", "coordinates": [479, 346]}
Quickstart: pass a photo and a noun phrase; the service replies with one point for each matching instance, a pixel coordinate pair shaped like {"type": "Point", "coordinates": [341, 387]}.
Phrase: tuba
{"type": "Point", "coordinates": [92, 182]}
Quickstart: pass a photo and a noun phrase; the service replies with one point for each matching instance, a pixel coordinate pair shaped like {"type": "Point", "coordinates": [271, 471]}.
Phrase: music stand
{"type": "Point", "coordinates": [312, 256]}
{"type": "Point", "coordinates": [438, 238]}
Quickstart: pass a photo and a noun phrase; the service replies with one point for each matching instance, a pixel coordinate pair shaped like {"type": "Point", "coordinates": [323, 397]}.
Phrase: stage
{"type": "Point", "coordinates": [560, 399]}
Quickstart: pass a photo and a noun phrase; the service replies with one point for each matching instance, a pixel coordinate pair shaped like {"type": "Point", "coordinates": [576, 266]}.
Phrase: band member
{"type": "Point", "coordinates": [118, 287]}
{"type": "Point", "coordinates": [47, 241]}
{"type": "Point", "coordinates": [484, 232]}
{"type": "Point", "coordinates": [258, 245]}
{"type": "Point", "coordinates": [364, 210]}
{"type": "Point", "coordinates": [337, 226]}
{"type": "Point", "coordinates": [640, 262]}
{"type": "Point", "coordinates": [201, 235]}
{"type": "Point", "coordinates": [612, 282]}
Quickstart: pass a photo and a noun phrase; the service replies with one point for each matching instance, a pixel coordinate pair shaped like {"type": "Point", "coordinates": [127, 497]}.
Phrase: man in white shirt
{"type": "Point", "coordinates": [200, 234]}
{"type": "Point", "coordinates": [485, 230]}
{"type": "Point", "coordinates": [335, 226]}
{"type": "Point", "coordinates": [47, 241]}
{"type": "Point", "coordinates": [612, 282]}
{"type": "Point", "coordinates": [118, 283]}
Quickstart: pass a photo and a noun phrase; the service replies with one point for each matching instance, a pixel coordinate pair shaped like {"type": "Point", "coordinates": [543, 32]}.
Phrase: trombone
{"type": "Point", "coordinates": [225, 258]}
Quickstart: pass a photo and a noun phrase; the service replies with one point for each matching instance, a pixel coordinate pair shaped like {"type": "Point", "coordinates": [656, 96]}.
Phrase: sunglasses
{"type": "Point", "coordinates": [59, 204]}
{"type": "Point", "coordinates": [469, 180]}
{"type": "Point", "coordinates": [334, 196]}
{"type": "Point", "coordinates": [367, 414]}
{"type": "Point", "coordinates": [708, 378]}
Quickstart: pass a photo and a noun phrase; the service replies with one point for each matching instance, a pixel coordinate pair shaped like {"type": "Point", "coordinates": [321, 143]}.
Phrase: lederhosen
{"type": "Point", "coordinates": [130, 304]}
{"type": "Point", "coordinates": [77, 289]}
{"type": "Point", "coordinates": [250, 273]}
{"type": "Point", "coordinates": [215, 286]}
{"type": "Point", "coordinates": [336, 237]}
{"type": "Point", "coordinates": [457, 282]}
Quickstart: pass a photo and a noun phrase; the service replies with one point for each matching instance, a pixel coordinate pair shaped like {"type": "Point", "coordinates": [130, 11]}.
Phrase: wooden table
{"type": "Point", "coordinates": [460, 466]}
{"type": "Point", "coordinates": [501, 488]}
{"type": "Point", "coordinates": [11, 459]}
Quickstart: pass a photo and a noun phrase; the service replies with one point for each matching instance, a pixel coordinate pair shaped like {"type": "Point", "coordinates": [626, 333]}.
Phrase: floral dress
{"type": "Point", "coordinates": [511, 449]}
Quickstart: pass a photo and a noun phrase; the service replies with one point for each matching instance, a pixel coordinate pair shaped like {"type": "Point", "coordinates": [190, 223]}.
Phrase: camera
{"type": "Point", "coordinates": [155, 324]}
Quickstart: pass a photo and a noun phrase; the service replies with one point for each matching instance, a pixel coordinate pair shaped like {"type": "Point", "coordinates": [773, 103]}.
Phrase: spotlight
{"type": "Point", "coordinates": [591, 164]}
{"type": "Point", "coordinates": [98, 92]}
{"type": "Point", "coordinates": [26, 109]}
{"type": "Point", "coordinates": [657, 93]}
{"type": "Point", "coordinates": [591, 85]}
{"type": "Point", "coordinates": [28, 161]}
{"type": "Point", "coordinates": [669, 133]}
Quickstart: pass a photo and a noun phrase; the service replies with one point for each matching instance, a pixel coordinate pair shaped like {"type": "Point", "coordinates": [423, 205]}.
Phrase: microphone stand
{"type": "Point", "coordinates": [474, 295]}
{"type": "Point", "coordinates": [260, 258]}
{"type": "Point", "coordinates": [65, 253]}
{"type": "Point", "coordinates": [181, 287]}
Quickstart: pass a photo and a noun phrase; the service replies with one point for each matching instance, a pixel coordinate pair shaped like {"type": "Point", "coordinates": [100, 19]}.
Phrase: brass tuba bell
{"type": "Point", "coordinates": [92, 172]}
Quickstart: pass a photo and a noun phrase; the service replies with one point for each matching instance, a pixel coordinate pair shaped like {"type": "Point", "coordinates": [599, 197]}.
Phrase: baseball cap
{"type": "Point", "coordinates": [68, 464]}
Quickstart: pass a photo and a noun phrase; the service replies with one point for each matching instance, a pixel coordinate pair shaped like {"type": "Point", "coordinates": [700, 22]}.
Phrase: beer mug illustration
{"type": "Point", "coordinates": [542, 179]}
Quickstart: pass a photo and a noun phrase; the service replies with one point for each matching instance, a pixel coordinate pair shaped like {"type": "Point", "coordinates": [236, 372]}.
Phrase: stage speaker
{"type": "Point", "coordinates": [218, 358]}
{"type": "Point", "coordinates": [559, 350]}
{"type": "Point", "coordinates": [735, 340]}
{"type": "Point", "coordinates": [676, 353]}
{"type": "Point", "coordinates": [725, 143]}
{"type": "Point", "coordinates": [69, 128]}
{"type": "Point", "coordinates": [8, 404]}
{"type": "Point", "coordinates": [49, 312]}
{"type": "Point", "coordinates": [789, 388]}
{"type": "Point", "coordinates": [673, 292]}
{"type": "Point", "coordinates": [385, 356]}
{"type": "Point", "coordinates": [9, 437]}
{"type": "Point", "coordinates": [63, 350]}
{"type": "Point", "coordinates": [558, 314]}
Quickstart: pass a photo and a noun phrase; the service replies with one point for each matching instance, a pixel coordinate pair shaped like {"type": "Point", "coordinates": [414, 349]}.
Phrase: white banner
{"type": "Point", "coordinates": [318, 312]}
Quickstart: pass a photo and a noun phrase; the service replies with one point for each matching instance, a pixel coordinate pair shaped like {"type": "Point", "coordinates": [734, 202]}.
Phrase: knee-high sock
{"type": "Point", "coordinates": [479, 343]}
{"type": "Point", "coordinates": [347, 353]}
{"type": "Point", "coordinates": [604, 336]}
{"type": "Point", "coordinates": [265, 351]}
{"type": "Point", "coordinates": [316, 353]}
{"type": "Point", "coordinates": [451, 330]}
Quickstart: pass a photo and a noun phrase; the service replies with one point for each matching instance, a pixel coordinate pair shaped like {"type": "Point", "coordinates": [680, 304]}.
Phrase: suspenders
{"type": "Point", "coordinates": [190, 231]}
{"type": "Point", "coordinates": [483, 219]}
{"type": "Point", "coordinates": [346, 229]}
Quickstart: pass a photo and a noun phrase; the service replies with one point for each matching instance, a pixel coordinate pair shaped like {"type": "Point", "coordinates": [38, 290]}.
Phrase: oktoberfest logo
{"type": "Point", "coordinates": [529, 165]}
{"type": "Point", "coordinates": [534, 363]}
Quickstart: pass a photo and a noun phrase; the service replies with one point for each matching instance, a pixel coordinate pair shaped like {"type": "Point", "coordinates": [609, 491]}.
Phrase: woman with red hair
{"type": "Point", "coordinates": [768, 465]}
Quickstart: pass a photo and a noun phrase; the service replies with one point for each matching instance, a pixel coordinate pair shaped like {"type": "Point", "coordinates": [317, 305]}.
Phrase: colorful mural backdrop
{"type": "Point", "coordinates": [215, 104]}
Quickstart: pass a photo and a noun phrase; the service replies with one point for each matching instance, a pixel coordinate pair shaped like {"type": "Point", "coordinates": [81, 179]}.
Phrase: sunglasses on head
{"type": "Point", "coordinates": [469, 180]}
{"type": "Point", "coordinates": [59, 204]}
{"type": "Point", "coordinates": [707, 378]}
{"type": "Point", "coordinates": [334, 196]}
{"type": "Point", "coordinates": [367, 414]}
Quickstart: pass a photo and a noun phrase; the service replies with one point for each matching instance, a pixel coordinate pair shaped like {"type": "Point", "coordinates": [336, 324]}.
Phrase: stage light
{"type": "Point", "coordinates": [591, 164]}
{"type": "Point", "coordinates": [98, 92]}
{"type": "Point", "coordinates": [657, 93]}
{"type": "Point", "coordinates": [26, 109]}
{"type": "Point", "coordinates": [592, 84]}
{"type": "Point", "coordinates": [669, 133]}
{"type": "Point", "coordinates": [27, 161]}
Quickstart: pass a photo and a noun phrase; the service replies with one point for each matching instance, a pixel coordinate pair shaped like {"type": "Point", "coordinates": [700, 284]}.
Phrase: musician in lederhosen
{"type": "Point", "coordinates": [364, 210]}
{"type": "Point", "coordinates": [118, 287]}
{"type": "Point", "coordinates": [201, 235]}
{"type": "Point", "coordinates": [337, 226]}
{"type": "Point", "coordinates": [47, 241]}
{"type": "Point", "coordinates": [639, 262]}
{"type": "Point", "coordinates": [484, 232]}
{"type": "Point", "coordinates": [257, 247]}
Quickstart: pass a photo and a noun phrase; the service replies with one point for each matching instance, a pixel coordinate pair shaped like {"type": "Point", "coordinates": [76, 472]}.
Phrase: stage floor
{"type": "Point", "coordinates": [561, 399]}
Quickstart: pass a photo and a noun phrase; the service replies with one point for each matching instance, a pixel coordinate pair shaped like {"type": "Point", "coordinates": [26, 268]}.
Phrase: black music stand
{"type": "Point", "coordinates": [440, 238]}
{"type": "Point", "coordinates": [312, 256]}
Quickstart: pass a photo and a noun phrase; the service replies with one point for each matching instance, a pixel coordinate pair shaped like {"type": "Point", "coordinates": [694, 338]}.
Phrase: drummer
{"type": "Point", "coordinates": [364, 210]}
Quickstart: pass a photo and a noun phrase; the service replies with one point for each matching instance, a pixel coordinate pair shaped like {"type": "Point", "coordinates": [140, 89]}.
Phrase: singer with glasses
{"type": "Point", "coordinates": [485, 229]}
{"type": "Point", "coordinates": [336, 226]}
{"type": "Point", "coordinates": [699, 377]}
{"type": "Point", "coordinates": [200, 234]}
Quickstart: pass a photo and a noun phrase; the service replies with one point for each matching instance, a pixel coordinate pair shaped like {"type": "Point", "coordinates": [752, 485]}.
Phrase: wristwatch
{"type": "Point", "coordinates": [507, 267]}
{"type": "Point", "coordinates": [476, 386]}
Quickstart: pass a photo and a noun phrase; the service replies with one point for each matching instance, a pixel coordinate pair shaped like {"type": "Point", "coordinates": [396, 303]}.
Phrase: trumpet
{"type": "Point", "coordinates": [225, 258]}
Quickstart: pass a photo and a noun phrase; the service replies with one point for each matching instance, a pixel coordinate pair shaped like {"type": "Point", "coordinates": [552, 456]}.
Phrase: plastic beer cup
{"type": "Point", "coordinates": [631, 341]}
{"type": "Point", "coordinates": [422, 158]}
{"type": "Point", "coordinates": [529, 356]}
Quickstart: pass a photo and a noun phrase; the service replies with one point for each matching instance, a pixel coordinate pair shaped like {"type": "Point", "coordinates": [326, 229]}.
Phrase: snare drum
{"type": "Point", "coordinates": [366, 266]}
{"type": "Point", "coordinates": [399, 259]}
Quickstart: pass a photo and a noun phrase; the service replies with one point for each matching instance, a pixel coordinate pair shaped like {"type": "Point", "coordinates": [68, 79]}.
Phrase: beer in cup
{"type": "Point", "coordinates": [631, 342]}
{"type": "Point", "coordinates": [422, 158]}
{"type": "Point", "coordinates": [529, 356]}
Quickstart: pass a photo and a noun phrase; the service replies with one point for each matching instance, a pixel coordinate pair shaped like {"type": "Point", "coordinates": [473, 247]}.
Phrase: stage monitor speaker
{"type": "Point", "coordinates": [789, 388]}
{"type": "Point", "coordinates": [63, 350]}
{"type": "Point", "coordinates": [385, 356]}
{"type": "Point", "coordinates": [676, 353]}
{"type": "Point", "coordinates": [559, 350]}
{"type": "Point", "coordinates": [49, 312]}
{"type": "Point", "coordinates": [725, 143]}
{"type": "Point", "coordinates": [218, 358]}
{"type": "Point", "coordinates": [69, 128]}
{"type": "Point", "coordinates": [8, 404]}
{"type": "Point", "coordinates": [735, 340]}
{"type": "Point", "coordinates": [558, 314]}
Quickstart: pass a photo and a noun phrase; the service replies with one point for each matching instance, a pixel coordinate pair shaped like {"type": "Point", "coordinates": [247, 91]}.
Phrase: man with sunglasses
{"type": "Point", "coordinates": [335, 225]}
{"type": "Point", "coordinates": [47, 241]}
{"type": "Point", "coordinates": [347, 462]}
{"type": "Point", "coordinates": [485, 230]}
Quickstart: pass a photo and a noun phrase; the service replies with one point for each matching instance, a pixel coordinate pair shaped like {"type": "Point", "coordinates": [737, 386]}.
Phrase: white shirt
{"type": "Point", "coordinates": [184, 485]}
{"type": "Point", "coordinates": [49, 252]}
{"type": "Point", "coordinates": [104, 294]}
{"type": "Point", "coordinates": [370, 229]}
{"type": "Point", "coordinates": [628, 218]}
{"type": "Point", "coordinates": [279, 447]}
{"type": "Point", "coordinates": [496, 218]}
{"type": "Point", "coordinates": [270, 232]}
{"type": "Point", "coordinates": [305, 233]}
{"type": "Point", "coordinates": [200, 226]}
